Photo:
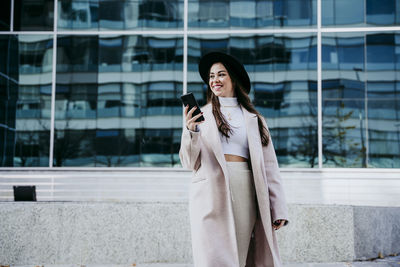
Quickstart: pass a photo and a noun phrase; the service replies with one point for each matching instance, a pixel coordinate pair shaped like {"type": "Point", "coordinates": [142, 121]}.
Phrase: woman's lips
{"type": "Point", "coordinates": [217, 87]}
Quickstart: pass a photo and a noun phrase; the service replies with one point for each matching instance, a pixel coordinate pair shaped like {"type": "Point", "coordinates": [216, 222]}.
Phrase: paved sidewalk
{"type": "Point", "coordinates": [393, 261]}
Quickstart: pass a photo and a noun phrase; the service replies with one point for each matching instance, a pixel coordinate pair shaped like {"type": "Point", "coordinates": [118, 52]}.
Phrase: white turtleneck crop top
{"type": "Point", "coordinates": [236, 144]}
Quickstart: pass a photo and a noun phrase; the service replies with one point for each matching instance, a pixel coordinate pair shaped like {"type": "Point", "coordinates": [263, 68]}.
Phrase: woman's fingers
{"type": "Point", "coordinates": [282, 222]}
{"type": "Point", "coordinates": [190, 119]}
{"type": "Point", "coordinates": [190, 113]}
{"type": "Point", "coordinates": [186, 110]}
{"type": "Point", "coordinates": [193, 119]}
{"type": "Point", "coordinates": [191, 123]}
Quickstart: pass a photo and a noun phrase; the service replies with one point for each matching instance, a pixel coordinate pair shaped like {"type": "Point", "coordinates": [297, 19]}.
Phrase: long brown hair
{"type": "Point", "coordinates": [244, 100]}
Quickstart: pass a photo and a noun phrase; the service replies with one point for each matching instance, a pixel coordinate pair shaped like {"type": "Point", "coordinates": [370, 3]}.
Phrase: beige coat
{"type": "Point", "coordinates": [210, 207]}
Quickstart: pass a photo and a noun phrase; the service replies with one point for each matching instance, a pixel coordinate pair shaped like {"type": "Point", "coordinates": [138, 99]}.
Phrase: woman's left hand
{"type": "Point", "coordinates": [276, 227]}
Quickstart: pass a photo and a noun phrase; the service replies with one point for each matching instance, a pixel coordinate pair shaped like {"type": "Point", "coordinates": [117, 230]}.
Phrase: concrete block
{"type": "Point", "coordinates": [94, 233]}
{"type": "Point", "coordinates": [317, 233]}
{"type": "Point", "coordinates": [28, 234]}
{"type": "Point", "coordinates": [377, 230]}
{"type": "Point", "coordinates": [127, 233]}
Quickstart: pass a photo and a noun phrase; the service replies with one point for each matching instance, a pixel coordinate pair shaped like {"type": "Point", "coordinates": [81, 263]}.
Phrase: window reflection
{"type": "Point", "coordinates": [282, 69]}
{"type": "Point", "coordinates": [344, 135]}
{"type": "Point", "coordinates": [361, 100]}
{"type": "Point", "coordinates": [381, 51]}
{"type": "Point", "coordinates": [383, 99]}
{"type": "Point", "coordinates": [25, 100]}
{"type": "Point", "coordinates": [117, 101]}
{"type": "Point", "coordinates": [5, 15]}
{"type": "Point", "coordinates": [33, 15]}
{"type": "Point", "coordinates": [360, 13]}
{"type": "Point", "coordinates": [383, 13]}
{"type": "Point", "coordinates": [120, 14]}
{"type": "Point", "coordinates": [252, 14]}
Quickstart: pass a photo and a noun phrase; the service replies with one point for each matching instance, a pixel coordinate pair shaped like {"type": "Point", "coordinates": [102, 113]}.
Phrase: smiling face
{"type": "Point", "coordinates": [220, 82]}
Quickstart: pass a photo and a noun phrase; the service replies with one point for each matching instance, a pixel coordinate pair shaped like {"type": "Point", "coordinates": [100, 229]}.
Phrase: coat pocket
{"type": "Point", "coordinates": [196, 179]}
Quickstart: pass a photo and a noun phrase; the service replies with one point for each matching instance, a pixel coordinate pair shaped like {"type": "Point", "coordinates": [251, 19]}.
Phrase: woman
{"type": "Point", "coordinates": [236, 197]}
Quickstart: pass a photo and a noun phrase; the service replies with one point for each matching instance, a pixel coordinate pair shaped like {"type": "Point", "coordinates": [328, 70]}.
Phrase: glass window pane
{"type": "Point", "coordinates": [33, 15]}
{"type": "Point", "coordinates": [382, 12]}
{"type": "Point", "coordinates": [381, 51]}
{"type": "Point", "coordinates": [117, 100]}
{"type": "Point", "coordinates": [120, 14]}
{"type": "Point", "coordinates": [343, 107]}
{"type": "Point", "coordinates": [360, 13]}
{"type": "Point", "coordinates": [383, 99]}
{"type": "Point", "coordinates": [361, 100]}
{"type": "Point", "coordinates": [25, 104]}
{"type": "Point", "coordinates": [5, 15]}
{"type": "Point", "coordinates": [343, 12]}
{"type": "Point", "coordinates": [282, 69]}
{"type": "Point", "coordinates": [251, 14]}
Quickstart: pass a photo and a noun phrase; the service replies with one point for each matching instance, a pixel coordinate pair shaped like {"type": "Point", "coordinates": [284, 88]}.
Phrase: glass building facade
{"type": "Point", "coordinates": [96, 83]}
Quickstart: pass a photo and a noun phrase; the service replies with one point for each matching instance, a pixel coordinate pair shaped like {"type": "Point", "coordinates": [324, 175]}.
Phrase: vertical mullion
{"type": "Point", "coordinates": [319, 83]}
{"type": "Point", "coordinates": [53, 93]}
{"type": "Point", "coordinates": [12, 16]}
{"type": "Point", "coordinates": [53, 86]}
{"type": "Point", "coordinates": [365, 12]}
{"type": "Point", "coordinates": [185, 48]}
{"type": "Point", "coordinates": [365, 90]}
{"type": "Point", "coordinates": [366, 102]}
{"type": "Point", "coordinates": [185, 43]}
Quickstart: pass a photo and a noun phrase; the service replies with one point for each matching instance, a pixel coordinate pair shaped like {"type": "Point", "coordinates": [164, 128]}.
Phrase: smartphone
{"type": "Point", "coordinates": [188, 99]}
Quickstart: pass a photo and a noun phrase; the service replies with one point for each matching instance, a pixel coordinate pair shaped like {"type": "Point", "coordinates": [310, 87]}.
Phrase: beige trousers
{"type": "Point", "coordinates": [244, 205]}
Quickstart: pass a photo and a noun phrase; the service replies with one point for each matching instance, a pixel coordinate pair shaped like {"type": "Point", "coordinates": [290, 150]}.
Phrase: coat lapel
{"type": "Point", "coordinates": [211, 134]}
{"type": "Point", "coordinates": [256, 155]}
{"type": "Point", "coordinates": [253, 137]}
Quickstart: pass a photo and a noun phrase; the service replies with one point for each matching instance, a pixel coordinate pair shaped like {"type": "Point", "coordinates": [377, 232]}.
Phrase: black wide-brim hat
{"type": "Point", "coordinates": [235, 68]}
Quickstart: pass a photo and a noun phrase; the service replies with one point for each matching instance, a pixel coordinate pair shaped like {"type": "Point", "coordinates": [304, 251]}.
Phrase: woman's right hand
{"type": "Point", "coordinates": [191, 121]}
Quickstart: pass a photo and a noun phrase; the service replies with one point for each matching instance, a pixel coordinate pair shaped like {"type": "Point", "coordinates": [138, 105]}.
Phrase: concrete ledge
{"type": "Point", "coordinates": [318, 233]}
{"type": "Point", "coordinates": [376, 230]}
{"type": "Point", "coordinates": [104, 233]}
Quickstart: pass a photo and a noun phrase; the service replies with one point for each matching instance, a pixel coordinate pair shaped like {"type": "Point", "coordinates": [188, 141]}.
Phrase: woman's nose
{"type": "Point", "coordinates": [215, 79]}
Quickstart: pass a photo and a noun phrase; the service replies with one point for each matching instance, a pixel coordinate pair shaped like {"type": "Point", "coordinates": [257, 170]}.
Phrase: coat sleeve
{"type": "Point", "coordinates": [276, 193]}
{"type": "Point", "coordinates": [189, 152]}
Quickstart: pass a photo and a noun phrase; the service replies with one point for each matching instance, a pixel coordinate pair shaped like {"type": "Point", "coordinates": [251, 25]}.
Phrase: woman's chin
{"type": "Point", "coordinates": [217, 93]}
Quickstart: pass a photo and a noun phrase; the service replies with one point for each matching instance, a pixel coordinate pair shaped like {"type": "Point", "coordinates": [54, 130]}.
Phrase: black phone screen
{"type": "Point", "coordinates": [188, 99]}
